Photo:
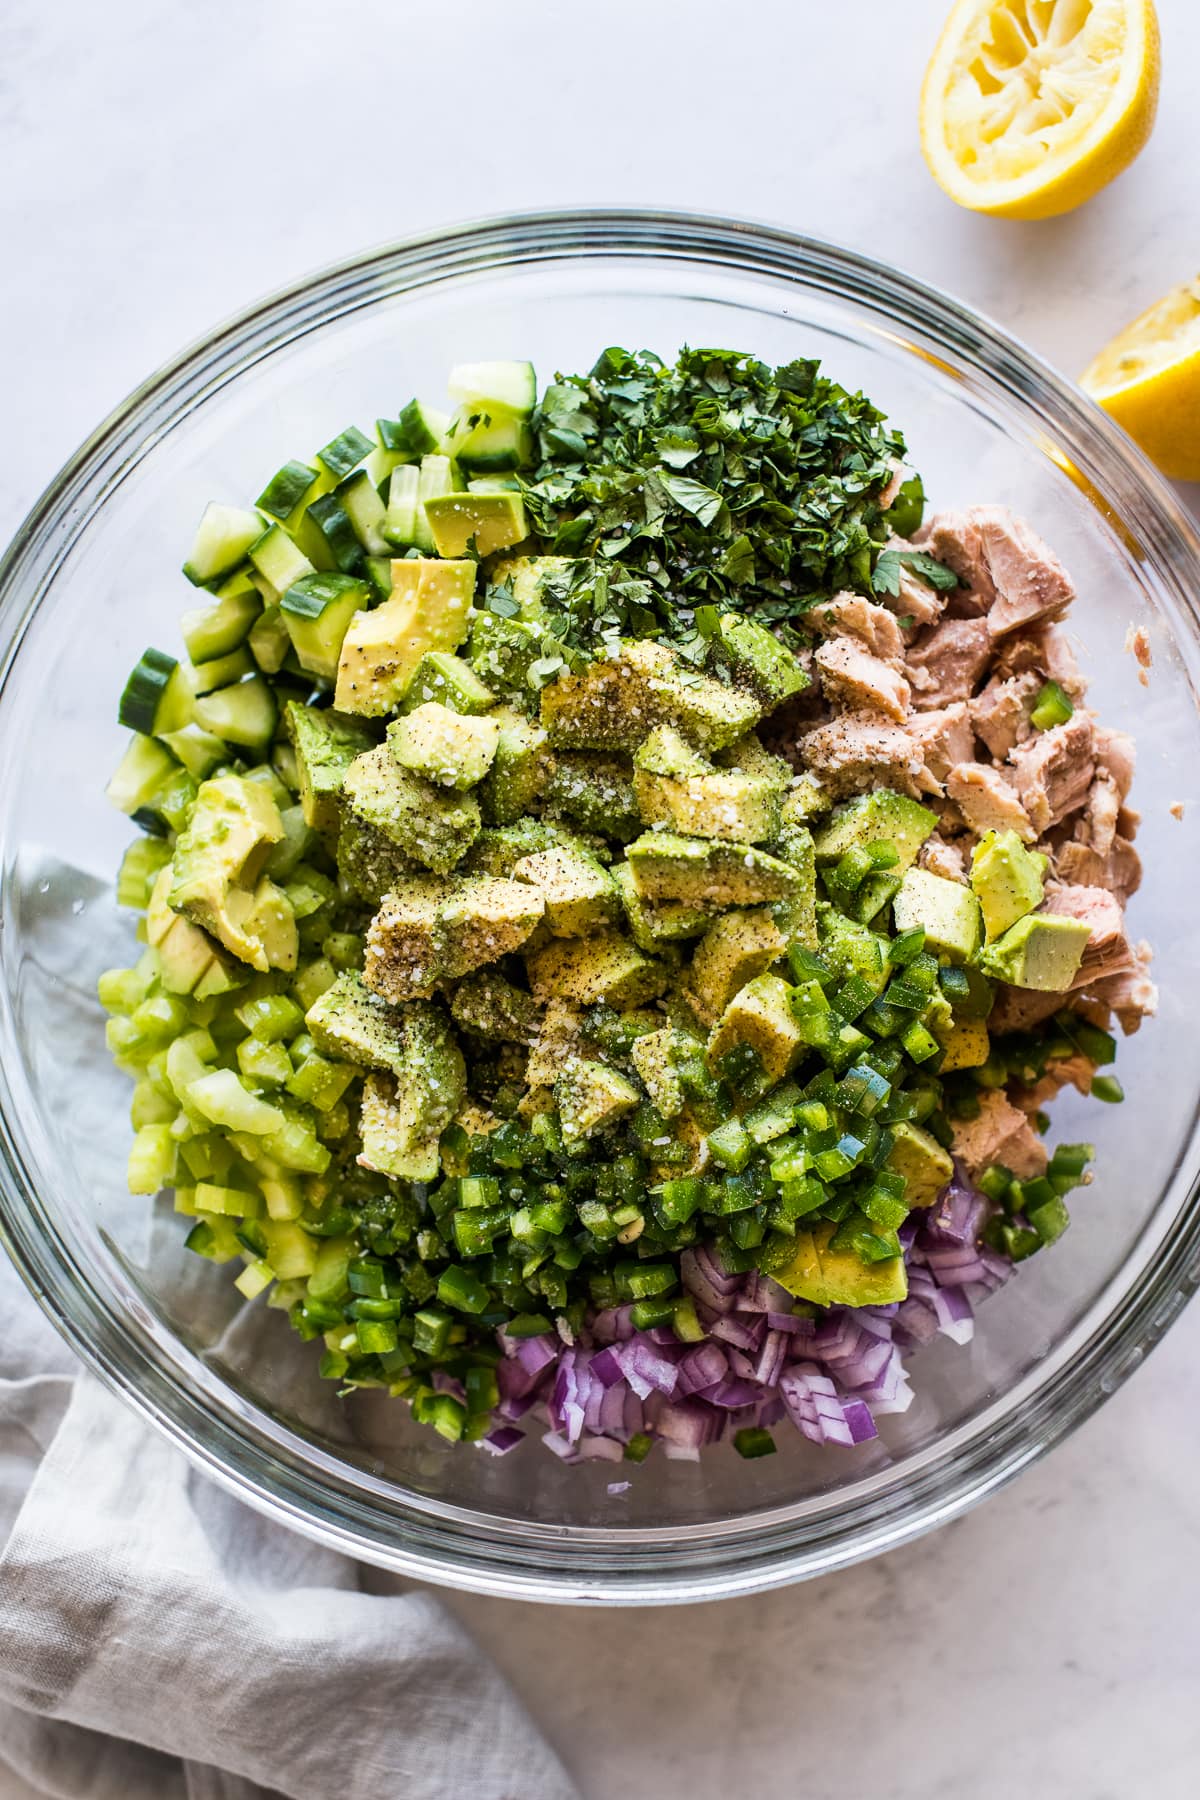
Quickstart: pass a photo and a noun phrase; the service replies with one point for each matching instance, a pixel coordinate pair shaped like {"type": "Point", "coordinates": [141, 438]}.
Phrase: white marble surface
{"type": "Point", "coordinates": [163, 165]}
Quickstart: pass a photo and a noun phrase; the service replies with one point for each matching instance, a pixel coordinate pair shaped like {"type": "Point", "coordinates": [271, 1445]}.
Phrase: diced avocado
{"type": "Point", "coordinates": [606, 967]}
{"type": "Point", "coordinates": [498, 849]}
{"type": "Point", "coordinates": [925, 1166]}
{"type": "Point", "coordinates": [703, 871]}
{"type": "Point", "coordinates": [429, 824]}
{"type": "Point", "coordinates": [216, 873]}
{"type": "Point", "coordinates": [805, 801]}
{"type": "Point", "coordinates": [452, 749]}
{"type": "Point", "coordinates": [658, 1057]}
{"type": "Point", "coordinates": [1042, 950]}
{"type": "Point", "coordinates": [486, 522]}
{"type": "Point", "coordinates": [756, 659]}
{"type": "Point", "coordinates": [807, 1267]}
{"type": "Point", "coordinates": [676, 787]}
{"type": "Point", "coordinates": [617, 700]}
{"type": "Point", "coordinates": [653, 923]}
{"type": "Point", "coordinates": [325, 743]}
{"type": "Point", "coordinates": [948, 912]}
{"type": "Point", "coordinates": [966, 1045]}
{"type": "Point", "coordinates": [593, 791]}
{"type": "Point", "coordinates": [502, 652]}
{"type": "Point", "coordinates": [352, 1024]}
{"type": "Point", "coordinates": [441, 676]}
{"type": "Point", "coordinates": [382, 649]}
{"type": "Point", "coordinates": [1007, 879]}
{"type": "Point", "coordinates": [185, 953]}
{"type": "Point", "coordinates": [759, 1015]}
{"type": "Point", "coordinates": [879, 817]}
{"type": "Point", "coordinates": [748, 755]}
{"type": "Point", "coordinates": [426, 931]}
{"type": "Point", "coordinates": [589, 1095]}
{"type": "Point", "coordinates": [579, 893]}
{"type": "Point", "coordinates": [518, 773]}
{"type": "Point", "coordinates": [368, 863]}
{"type": "Point", "coordinates": [796, 916]}
{"type": "Point", "coordinates": [404, 1115]}
{"type": "Point", "coordinates": [526, 578]}
{"type": "Point", "coordinates": [733, 951]}
{"type": "Point", "coordinates": [559, 1038]}
{"type": "Point", "coordinates": [488, 1006]}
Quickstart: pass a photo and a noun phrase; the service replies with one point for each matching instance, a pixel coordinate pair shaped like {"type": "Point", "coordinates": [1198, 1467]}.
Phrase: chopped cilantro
{"type": "Point", "coordinates": [886, 578]}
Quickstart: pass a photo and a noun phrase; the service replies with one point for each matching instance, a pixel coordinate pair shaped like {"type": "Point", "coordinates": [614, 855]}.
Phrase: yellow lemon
{"type": "Point", "coordinates": [1029, 107]}
{"type": "Point", "coordinates": [1148, 379]}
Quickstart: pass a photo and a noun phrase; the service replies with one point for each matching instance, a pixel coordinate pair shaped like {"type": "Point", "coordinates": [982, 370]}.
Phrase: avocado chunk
{"type": "Point", "coordinates": [618, 699]}
{"type": "Point", "coordinates": [593, 791]}
{"type": "Point", "coordinates": [921, 1160]}
{"type": "Point", "coordinates": [558, 1041]}
{"type": "Point", "coordinates": [404, 1114]}
{"type": "Point", "coordinates": [733, 951]}
{"type": "Point", "coordinates": [589, 1095]}
{"type": "Point", "coordinates": [215, 873]}
{"type": "Point", "coordinates": [578, 892]}
{"type": "Point", "coordinates": [352, 1024]}
{"type": "Point", "coordinates": [804, 801]}
{"type": "Point", "coordinates": [488, 1006]}
{"type": "Point", "coordinates": [502, 652]}
{"type": "Point", "coordinates": [676, 787]}
{"type": "Point", "coordinates": [796, 916]}
{"type": "Point", "coordinates": [186, 955]}
{"type": "Point", "coordinates": [880, 817]}
{"type": "Point", "coordinates": [1007, 880]}
{"type": "Point", "coordinates": [382, 649]}
{"type": "Point", "coordinates": [517, 776]}
{"type": "Point", "coordinates": [451, 681]}
{"type": "Point", "coordinates": [486, 522]}
{"type": "Point", "coordinates": [527, 578]}
{"type": "Point", "coordinates": [428, 930]}
{"type": "Point", "coordinates": [807, 1267]}
{"type": "Point", "coordinates": [757, 660]}
{"type": "Point", "coordinates": [325, 744]}
{"type": "Point", "coordinates": [761, 1016]}
{"type": "Point", "coordinates": [948, 912]}
{"type": "Point", "coordinates": [966, 1045]}
{"type": "Point", "coordinates": [659, 1057]}
{"type": "Point", "coordinates": [706, 872]}
{"type": "Point", "coordinates": [368, 863]}
{"type": "Point", "coordinates": [653, 923]}
{"type": "Point", "coordinates": [452, 749]}
{"type": "Point", "coordinates": [1042, 950]}
{"type": "Point", "coordinates": [606, 967]}
{"type": "Point", "coordinates": [432, 826]}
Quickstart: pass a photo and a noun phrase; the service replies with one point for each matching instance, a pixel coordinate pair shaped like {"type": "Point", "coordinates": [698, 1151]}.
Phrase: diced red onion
{"type": "Point", "coordinates": [502, 1439]}
{"type": "Point", "coordinates": [618, 1487]}
{"type": "Point", "coordinates": [746, 1333]}
{"type": "Point", "coordinates": [701, 1273]}
{"type": "Point", "coordinates": [606, 1366]}
{"type": "Point", "coordinates": [701, 1367]}
{"type": "Point", "coordinates": [646, 1367]}
{"type": "Point", "coordinates": [613, 1325]}
{"type": "Point", "coordinates": [733, 1393]}
{"type": "Point", "coordinates": [555, 1441]}
{"type": "Point", "coordinates": [769, 1365]}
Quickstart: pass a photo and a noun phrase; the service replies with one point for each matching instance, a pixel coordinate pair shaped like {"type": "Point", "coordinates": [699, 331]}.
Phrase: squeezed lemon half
{"type": "Point", "coordinates": [1148, 379]}
{"type": "Point", "coordinates": [1029, 107]}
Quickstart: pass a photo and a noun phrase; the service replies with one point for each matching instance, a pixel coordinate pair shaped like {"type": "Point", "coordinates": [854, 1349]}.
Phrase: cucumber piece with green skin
{"type": "Point", "coordinates": [488, 440]}
{"type": "Point", "coordinates": [223, 537]}
{"type": "Point", "coordinates": [222, 670]}
{"type": "Point", "coordinates": [279, 561]}
{"type": "Point", "coordinates": [379, 573]}
{"type": "Point", "coordinates": [345, 452]}
{"type": "Point", "coordinates": [157, 696]}
{"type": "Point", "coordinates": [400, 519]}
{"type": "Point", "coordinates": [199, 751]}
{"type": "Point", "coordinates": [269, 641]}
{"type": "Point", "coordinates": [332, 521]}
{"type": "Point", "coordinates": [286, 490]}
{"type": "Point", "coordinates": [361, 504]}
{"type": "Point", "coordinates": [511, 385]}
{"type": "Point", "coordinates": [141, 772]}
{"type": "Point", "coordinates": [417, 431]}
{"type": "Point", "coordinates": [316, 612]}
{"type": "Point", "coordinates": [244, 714]}
{"type": "Point", "coordinates": [216, 630]}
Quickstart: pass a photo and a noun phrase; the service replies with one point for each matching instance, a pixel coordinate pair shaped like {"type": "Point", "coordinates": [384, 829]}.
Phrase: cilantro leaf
{"type": "Point", "coordinates": [702, 502]}
{"type": "Point", "coordinates": [885, 577]}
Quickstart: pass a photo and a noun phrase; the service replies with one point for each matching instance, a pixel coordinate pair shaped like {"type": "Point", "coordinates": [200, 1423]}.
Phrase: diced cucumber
{"type": "Point", "coordinates": [211, 631]}
{"type": "Point", "coordinates": [438, 476]}
{"type": "Point", "coordinates": [269, 640]}
{"type": "Point", "coordinates": [345, 451]}
{"type": "Point", "coordinates": [141, 864]}
{"type": "Point", "coordinates": [379, 571]}
{"type": "Point", "coordinates": [365, 511]}
{"type": "Point", "coordinates": [243, 714]}
{"type": "Point", "coordinates": [316, 612]}
{"type": "Point", "coordinates": [512, 385]}
{"type": "Point", "coordinates": [329, 517]}
{"type": "Point", "coordinates": [140, 773]}
{"type": "Point", "coordinates": [158, 695]}
{"type": "Point", "coordinates": [417, 431]}
{"type": "Point", "coordinates": [400, 519]}
{"type": "Point", "coordinates": [223, 537]}
{"type": "Point", "coordinates": [279, 561]}
{"type": "Point", "coordinates": [382, 460]}
{"type": "Point", "coordinates": [199, 751]}
{"type": "Point", "coordinates": [286, 490]}
{"type": "Point", "coordinates": [222, 670]}
{"type": "Point", "coordinates": [488, 441]}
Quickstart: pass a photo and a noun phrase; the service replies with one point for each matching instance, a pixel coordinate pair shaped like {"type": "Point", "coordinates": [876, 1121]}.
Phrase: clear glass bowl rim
{"type": "Point", "coordinates": [282, 1477]}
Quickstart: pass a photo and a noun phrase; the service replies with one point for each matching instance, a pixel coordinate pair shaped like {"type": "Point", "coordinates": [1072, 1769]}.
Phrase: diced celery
{"type": "Point", "coordinates": [319, 1082]}
{"type": "Point", "coordinates": [313, 980]}
{"type": "Point", "coordinates": [290, 1251]}
{"type": "Point", "coordinates": [229, 1202]}
{"type": "Point", "coordinates": [220, 1096]}
{"type": "Point", "coordinates": [254, 1278]}
{"type": "Point", "coordinates": [151, 1159]}
{"type": "Point", "coordinates": [260, 1062]}
{"type": "Point", "coordinates": [329, 1279]}
{"type": "Point", "coordinates": [271, 1018]}
{"type": "Point", "coordinates": [139, 867]}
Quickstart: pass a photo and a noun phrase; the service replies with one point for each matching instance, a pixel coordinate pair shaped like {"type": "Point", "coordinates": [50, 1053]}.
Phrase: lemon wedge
{"type": "Point", "coordinates": [1148, 380]}
{"type": "Point", "coordinates": [1029, 107]}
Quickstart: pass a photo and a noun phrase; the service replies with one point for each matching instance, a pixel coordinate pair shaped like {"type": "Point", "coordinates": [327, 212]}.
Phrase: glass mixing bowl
{"type": "Point", "coordinates": [93, 577]}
